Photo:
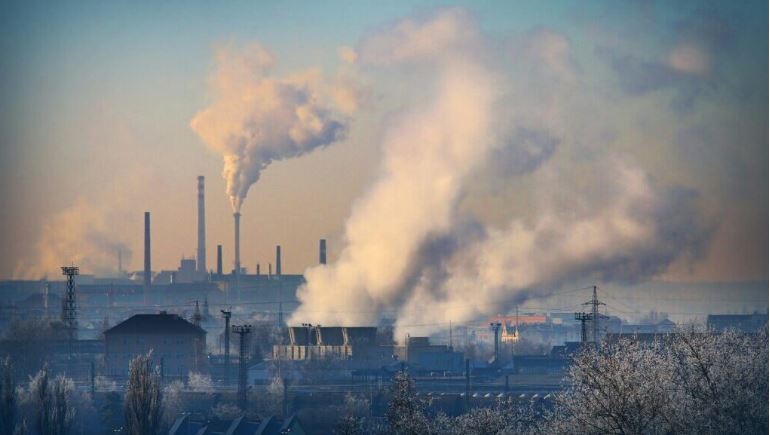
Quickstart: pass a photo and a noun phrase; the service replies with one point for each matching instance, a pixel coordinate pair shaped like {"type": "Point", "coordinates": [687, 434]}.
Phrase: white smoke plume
{"type": "Point", "coordinates": [427, 154]}
{"type": "Point", "coordinates": [409, 248]}
{"type": "Point", "coordinates": [256, 119]}
{"type": "Point", "coordinates": [83, 235]}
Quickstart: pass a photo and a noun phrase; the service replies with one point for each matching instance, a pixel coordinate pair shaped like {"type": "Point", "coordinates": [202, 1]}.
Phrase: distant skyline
{"type": "Point", "coordinates": [99, 99]}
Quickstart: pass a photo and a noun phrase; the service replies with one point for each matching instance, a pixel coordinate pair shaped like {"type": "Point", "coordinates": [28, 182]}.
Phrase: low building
{"type": "Point", "coordinates": [738, 322]}
{"type": "Point", "coordinates": [423, 356]}
{"type": "Point", "coordinates": [336, 342]}
{"type": "Point", "coordinates": [177, 345]}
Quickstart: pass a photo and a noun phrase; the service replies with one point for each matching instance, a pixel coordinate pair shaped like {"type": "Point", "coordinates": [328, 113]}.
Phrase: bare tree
{"type": "Point", "coordinates": [7, 398]}
{"type": "Point", "coordinates": [143, 400]}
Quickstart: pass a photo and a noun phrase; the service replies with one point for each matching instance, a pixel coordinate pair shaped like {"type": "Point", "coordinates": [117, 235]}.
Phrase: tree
{"type": "Point", "coordinates": [51, 401]}
{"type": "Point", "coordinates": [143, 400]}
{"type": "Point", "coordinates": [7, 398]}
{"type": "Point", "coordinates": [688, 382]}
{"type": "Point", "coordinates": [406, 412]}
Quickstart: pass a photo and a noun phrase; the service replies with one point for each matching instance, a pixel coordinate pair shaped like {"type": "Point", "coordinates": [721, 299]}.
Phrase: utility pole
{"type": "Point", "coordinates": [243, 331]}
{"type": "Point", "coordinates": [595, 316]}
{"type": "Point", "coordinates": [227, 315]}
{"type": "Point", "coordinates": [68, 311]}
{"type": "Point", "coordinates": [467, 384]}
{"type": "Point", "coordinates": [582, 317]}
{"type": "Point", "coordinates": [197, 317]}
{"type": "Point", "coordinates": [496, 329]}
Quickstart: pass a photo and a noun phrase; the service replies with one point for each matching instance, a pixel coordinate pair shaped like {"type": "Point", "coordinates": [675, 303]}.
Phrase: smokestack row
{"type": "Point", "coordinates": [201, 227]}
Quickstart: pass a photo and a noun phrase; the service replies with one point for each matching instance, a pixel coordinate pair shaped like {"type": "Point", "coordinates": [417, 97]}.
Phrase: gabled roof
{"type": "Point", "coordinates": [161, 323]}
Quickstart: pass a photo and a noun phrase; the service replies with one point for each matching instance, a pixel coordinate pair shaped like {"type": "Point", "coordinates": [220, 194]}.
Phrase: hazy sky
{"type": "Point", "coordinates": [98, 99]}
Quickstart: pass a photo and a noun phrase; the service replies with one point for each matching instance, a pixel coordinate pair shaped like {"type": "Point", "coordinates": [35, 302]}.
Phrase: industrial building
{"type": "Point", "coordinates": [358, 344]}
{"type": "Point", "coordinates": [421, 355]}
{"type": "Point", "coordinates": [737, 322]}
{"type": "Point", "coordinates": [177, 345]}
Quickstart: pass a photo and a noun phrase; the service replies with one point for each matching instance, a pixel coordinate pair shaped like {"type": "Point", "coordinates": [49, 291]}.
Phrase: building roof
{"type": "Point", "coordinates": [161, 323]}
{"type": "Point", "coordinates": [184, 425]}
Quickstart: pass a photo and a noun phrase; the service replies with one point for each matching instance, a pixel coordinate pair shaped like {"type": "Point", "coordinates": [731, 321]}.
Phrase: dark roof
{"type": "Point", "coordinates": [162, 323]}
{"type": "Point", "coordinates": [184, 425]}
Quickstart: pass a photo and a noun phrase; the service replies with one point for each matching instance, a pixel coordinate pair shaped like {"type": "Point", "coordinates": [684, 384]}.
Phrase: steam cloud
{"type": "Point", "coordinates": [83, 235]}
{"type": "Point", "coordinates": [408, 246]}
{"type": "Point", "coordinates": [257, 119]}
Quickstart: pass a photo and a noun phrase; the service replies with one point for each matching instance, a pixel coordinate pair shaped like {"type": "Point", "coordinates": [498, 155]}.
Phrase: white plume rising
{"type": "Point", "coordinates": [256, 119]}
{"type": "Point", "coordinates": [409, 250]}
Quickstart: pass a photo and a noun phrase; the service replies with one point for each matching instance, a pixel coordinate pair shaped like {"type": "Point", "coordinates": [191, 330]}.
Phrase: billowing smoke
{"type": "Point", "coordinates": [84, 235]}
{"type": "Point", "coordinates": [256, 119]}
{"type": "Point", "coordinates": [410, 247]}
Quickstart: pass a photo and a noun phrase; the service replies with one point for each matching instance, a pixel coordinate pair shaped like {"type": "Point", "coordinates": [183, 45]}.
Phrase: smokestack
{"type": "Point", "coordinates": [322, 251]}
{"type": "Point", "coordinates": [269, 270]}
{"type": "Point", "coordinates": [201, 227]}
{"type": "Point", "coordinates": [147, 260]}
{"type": "Point", "coordinates": [219, 260]}
{"type": "Point", "coordinates": [237, 217]}
{"type": "Point", "coordinates": [278, 260]}
{"type": "Point", "coordinates": [258, 269]}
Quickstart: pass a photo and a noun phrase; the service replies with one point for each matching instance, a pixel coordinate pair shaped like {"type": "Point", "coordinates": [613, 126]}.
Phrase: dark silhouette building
{"type": "Point", "coordinates": [177, 345]}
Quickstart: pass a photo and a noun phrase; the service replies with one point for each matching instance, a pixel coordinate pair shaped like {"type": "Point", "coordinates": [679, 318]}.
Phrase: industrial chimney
{"type": "Point", "coordinates": [278, 261]}
{"type": "Point", "coordinates": [201, 227]}
{"type": "Point", "coordinates": [219, 260]}
{"type": "Point", "coordinates": [147, 260]}
{"type": "Point", "coordinates": [322, 251]}
{"type": "Point", "coordinates": [237, 264]}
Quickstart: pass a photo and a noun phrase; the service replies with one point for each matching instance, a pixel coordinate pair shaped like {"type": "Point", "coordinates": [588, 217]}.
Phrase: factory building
{"type": "Point", "coordinates": [177, 345]}
{"type": "Point", "coordinates": [421, 355]}
{"type": "Point", "coordinates": [357, 344]}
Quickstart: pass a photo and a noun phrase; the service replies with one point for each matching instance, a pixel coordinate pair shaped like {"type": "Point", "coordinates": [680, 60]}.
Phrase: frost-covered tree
{"type": "Point", "coordinates": [173, 401]}
{"type": "Point", "coordinates": [51, 403]}
{"type": "Point", "coordinates": [200, 383]}
{"type": "Point", "coordinates": [406, 412]}
{"type": "Point", "coordinates": [7, 397]}
{"type": "Point", "coordinates": [688, 382]}
{"type": "Point", "coordinates": [142, 406]}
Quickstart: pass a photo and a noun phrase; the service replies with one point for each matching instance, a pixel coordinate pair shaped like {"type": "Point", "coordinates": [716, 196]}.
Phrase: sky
{"type": "Point", "coordinates": [111, 109]}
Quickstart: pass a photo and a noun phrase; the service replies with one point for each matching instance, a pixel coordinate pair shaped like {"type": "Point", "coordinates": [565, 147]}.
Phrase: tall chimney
{"type": "Point", "coordinates": [201, 227]}
{"type": "Point", "coordinates": [258, 272]}
{"type": "Point", "coordinates": [322, 251]}
{"type": "Point", "coordinates": [237, 264]}
{"type": "Point", "coordinates": [219, 260]}
{"type": "Point", "coordinates": [278, 261]}
{"type": "Point", "coordinates": [147, 260]}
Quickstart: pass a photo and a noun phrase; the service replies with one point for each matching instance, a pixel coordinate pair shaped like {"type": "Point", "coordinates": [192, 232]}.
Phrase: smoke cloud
{"type": "Point", "coordinates": [83, 235]}
{"type": "Point", "coordinates": [409, 247]}
{"type": "Point", "coordinates": [257, 119]}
